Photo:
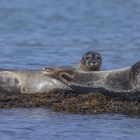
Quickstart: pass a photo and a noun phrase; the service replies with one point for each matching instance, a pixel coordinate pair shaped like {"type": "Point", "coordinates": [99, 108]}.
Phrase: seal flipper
{"type": "Point", "coordinates": [63, 75]}
{"type": "Point", "coordinates": [66, 77]}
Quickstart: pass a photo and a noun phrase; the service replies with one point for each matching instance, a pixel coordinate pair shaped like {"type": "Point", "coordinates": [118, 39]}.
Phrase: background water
{"type": "Point", "coordinates": [36, 33]}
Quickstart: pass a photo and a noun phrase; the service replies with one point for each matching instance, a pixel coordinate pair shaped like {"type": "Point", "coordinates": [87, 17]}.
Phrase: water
{"type": "Point", "coordinates": [36, 33]}
{"type": "Point", "coordinates": [39, 124]}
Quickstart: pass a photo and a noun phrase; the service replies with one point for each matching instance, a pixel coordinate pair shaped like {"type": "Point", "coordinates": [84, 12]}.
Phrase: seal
{"type": "Point", "coordinates": [90, 61]}
{"type": "Point", "coordinates": [121, 83]}
{"type": "Point", "coordinates": [34, 81]}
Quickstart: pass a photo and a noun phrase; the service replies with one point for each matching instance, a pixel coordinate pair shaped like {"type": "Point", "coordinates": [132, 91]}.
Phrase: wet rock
{"type": "Point", "coordinates": [66, 101]}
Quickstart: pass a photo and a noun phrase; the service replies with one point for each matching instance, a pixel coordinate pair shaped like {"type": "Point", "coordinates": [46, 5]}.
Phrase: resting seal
{"type": "Point", "coordinates": [34, 81]}
{"type": "Point", "coordinates": [122, 83]}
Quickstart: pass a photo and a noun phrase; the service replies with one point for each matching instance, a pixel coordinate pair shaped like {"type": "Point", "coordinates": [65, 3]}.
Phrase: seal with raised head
{"type": "Point", "coordinates": [34, 81]}
{"type": "Point", "coordinates": [90, 61]}
{"type": "Point", "coordinates": [122, 83]}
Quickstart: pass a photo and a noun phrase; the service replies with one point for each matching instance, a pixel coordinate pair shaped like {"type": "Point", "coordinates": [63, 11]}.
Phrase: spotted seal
{"type": "Point", "coordinates": [90, 61]}
{"type": "Point", "coordinates": [34, 81]}
{"type": "Point", "coordinates": [121, 83]}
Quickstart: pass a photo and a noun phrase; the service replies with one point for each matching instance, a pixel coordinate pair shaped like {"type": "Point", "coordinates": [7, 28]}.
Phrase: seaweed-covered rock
{"type": "Point", "coordinates": [65, 101]}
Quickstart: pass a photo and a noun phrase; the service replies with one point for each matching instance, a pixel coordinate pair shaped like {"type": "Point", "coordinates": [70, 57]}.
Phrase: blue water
{"type": "Point", "coordinates": [36, 33]}
{"type": "Point", "coordinates": [42, 124]}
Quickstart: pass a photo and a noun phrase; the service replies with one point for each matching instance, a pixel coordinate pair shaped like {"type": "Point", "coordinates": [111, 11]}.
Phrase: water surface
{"type": "Point", "coordinates": [40, 123]}
{"type": "Point", "coordinates": [36, 33]}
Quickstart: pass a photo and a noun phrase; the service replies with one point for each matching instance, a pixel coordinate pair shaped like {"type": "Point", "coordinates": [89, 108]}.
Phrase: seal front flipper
{"type": "Point", "coordinates": [64, 75]}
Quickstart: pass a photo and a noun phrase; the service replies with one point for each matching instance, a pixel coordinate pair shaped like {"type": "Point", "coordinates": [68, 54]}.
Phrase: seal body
{"type": "Point", "coordinates": [122, 83]}
{"type": "Point", "coordinates": [28, 81]}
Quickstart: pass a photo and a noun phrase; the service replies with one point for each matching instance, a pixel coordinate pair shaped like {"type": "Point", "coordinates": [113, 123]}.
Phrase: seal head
{"type": "Point", "coordinates": [91, 61]}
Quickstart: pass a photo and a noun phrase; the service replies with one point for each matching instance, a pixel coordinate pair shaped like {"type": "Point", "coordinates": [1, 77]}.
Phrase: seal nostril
{"type": "Point", "coordinates": [93, 62]}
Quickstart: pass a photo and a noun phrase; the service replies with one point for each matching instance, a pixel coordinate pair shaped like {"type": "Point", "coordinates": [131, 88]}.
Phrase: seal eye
{"type": "Point", "coordinates": [87, 57]}
{"type": "Point", "coordinates": [98, 57]}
